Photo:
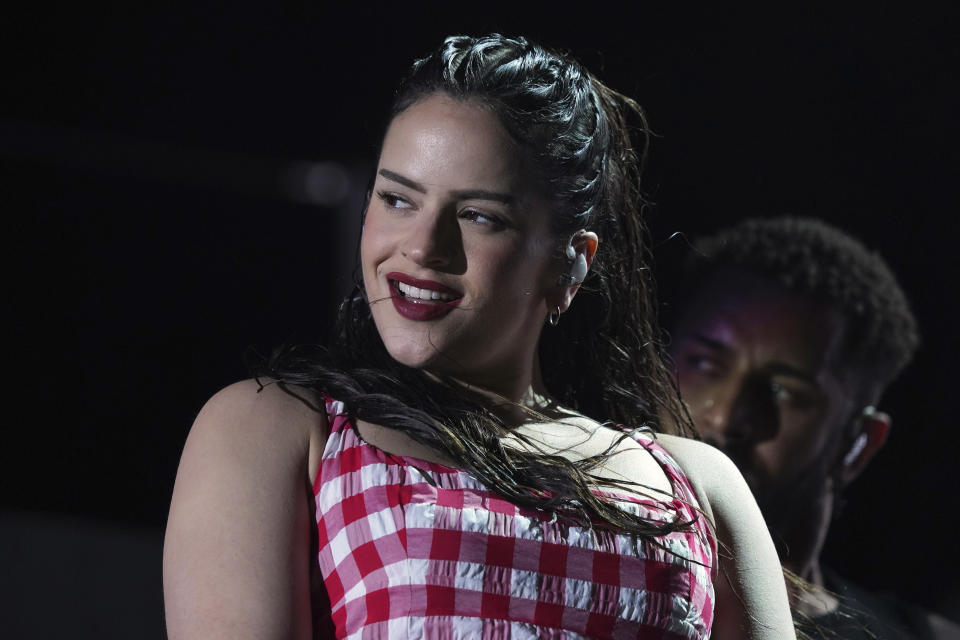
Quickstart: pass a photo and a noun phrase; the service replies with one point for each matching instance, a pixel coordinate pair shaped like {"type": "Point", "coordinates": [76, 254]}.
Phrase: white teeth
{"type": "Point", "coordinates": [423, 294]}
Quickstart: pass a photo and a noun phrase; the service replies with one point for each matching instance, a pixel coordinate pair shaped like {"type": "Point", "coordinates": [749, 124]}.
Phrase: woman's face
{"type": "Point", "coordinates": [458, 259]}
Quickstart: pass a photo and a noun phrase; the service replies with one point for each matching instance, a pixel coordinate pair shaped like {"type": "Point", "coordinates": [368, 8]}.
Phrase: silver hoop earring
{"type": "Point", "coordinates": [554, 317]}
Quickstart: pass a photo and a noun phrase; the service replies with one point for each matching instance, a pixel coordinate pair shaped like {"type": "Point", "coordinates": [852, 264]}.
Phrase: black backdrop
{"type": "Point", "coordinates": [152, 232]}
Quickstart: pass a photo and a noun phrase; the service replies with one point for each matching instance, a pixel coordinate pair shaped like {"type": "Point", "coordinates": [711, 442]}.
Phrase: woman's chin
{"type": "Point", "coordinates": [415, 356]}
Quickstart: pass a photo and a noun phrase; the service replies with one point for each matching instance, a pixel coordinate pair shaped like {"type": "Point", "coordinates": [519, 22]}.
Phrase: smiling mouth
{"type": "Point", "coordinates": [417, 294]}
{"type": "Point", "coordinates": [421, 299]}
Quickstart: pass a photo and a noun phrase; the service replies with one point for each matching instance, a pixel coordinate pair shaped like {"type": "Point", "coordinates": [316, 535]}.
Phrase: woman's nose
{"type": "Point", "coordinates": [433, 240]}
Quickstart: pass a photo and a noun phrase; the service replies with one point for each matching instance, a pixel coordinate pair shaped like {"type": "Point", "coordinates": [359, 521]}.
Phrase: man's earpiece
{"type": "Point", "coordinates": [856, 449]}
{"type": "Point", "coordinates": [872, 429]}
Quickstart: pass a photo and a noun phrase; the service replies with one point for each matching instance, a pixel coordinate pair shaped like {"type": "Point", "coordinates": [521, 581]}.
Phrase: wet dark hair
{"type": "Point", "coordinates": [812, 258]}
{"type": "Point", "coordinates": [605, 357]}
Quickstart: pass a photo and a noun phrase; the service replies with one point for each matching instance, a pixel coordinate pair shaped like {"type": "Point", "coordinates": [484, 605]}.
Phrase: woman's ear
{"type": "Point", "coordinates": [580, 253]}
{"type": "Point", "coordinates": [873, 427]}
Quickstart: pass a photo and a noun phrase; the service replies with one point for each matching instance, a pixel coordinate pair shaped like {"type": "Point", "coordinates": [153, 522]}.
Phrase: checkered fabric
{"type": "Point", "coordinates": [414, 549]}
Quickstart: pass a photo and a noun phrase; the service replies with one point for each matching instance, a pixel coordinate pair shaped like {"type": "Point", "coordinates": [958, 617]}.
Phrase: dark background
{"type": "Point", "coordinates": [180, 184]}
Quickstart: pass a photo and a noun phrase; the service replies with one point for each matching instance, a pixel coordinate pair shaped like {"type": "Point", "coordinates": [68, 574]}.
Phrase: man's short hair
{"type": "Point", "coordinates": [810, 257]}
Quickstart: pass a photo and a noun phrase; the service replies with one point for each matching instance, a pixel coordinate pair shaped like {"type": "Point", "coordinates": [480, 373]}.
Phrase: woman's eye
{"type": "Point", "coordinates": [478, 217]}
{"type": "Point", "coordinates": [393, 201]}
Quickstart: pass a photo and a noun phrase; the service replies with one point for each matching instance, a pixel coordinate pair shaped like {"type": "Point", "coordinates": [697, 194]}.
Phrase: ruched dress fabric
{"type": "Point", "coordinates": [414, 549]}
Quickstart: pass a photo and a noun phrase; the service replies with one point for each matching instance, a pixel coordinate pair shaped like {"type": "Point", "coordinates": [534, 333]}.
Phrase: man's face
{"type": "Point", "coordinates": [760, 369]}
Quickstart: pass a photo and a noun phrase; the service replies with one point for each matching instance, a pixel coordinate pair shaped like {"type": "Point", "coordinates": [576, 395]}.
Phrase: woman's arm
{"type": "Point", "coordinates": [751, 595]}
{"type": "Point", "coordinates": [236, 551]}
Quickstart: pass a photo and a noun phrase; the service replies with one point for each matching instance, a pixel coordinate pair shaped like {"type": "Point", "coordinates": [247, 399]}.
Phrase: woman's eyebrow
{"type": "Point", "coordinates": [481, 194]}
{"type": "Point", "coordinates": [407, 182]}
{"type": "Point", "coordinates": [464, 194]}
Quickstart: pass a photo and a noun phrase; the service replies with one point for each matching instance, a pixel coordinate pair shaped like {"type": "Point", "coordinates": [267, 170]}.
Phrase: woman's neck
{"type": "Point", "coordinates": [519, 400]}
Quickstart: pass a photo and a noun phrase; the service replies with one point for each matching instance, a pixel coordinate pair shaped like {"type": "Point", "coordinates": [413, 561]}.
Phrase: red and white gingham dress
{"type": "Point", "coordinates": [404, 556]}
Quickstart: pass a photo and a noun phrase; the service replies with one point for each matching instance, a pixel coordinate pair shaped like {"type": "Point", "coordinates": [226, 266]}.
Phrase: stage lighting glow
{"type": "Point", "coordinates": [323, 183]}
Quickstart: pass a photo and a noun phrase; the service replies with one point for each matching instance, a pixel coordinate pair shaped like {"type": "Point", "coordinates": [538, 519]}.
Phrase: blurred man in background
{"type": "Point", "coordinates": [787, 334]}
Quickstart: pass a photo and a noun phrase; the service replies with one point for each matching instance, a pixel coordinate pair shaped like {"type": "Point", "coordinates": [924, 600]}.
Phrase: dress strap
{"type": "Point", "coordinates": [684, 493]}
{"type": "Point", "coordinates": [337, 419]}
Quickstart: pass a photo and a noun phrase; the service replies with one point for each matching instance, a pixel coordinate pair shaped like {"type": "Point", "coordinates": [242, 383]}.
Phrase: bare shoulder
{"type": "Point", "coordinates": [252, 415]}
{"type": "Point", "coordinates": [709, 470]}
{"type": "Point", "coordinates": [699, 459]}
{"type": "Point", "coordinates": [237, 541]}
{"type": "Point", "coordinates": [751, 601]}
{"type": "Point", "coordinates": [248, 405]}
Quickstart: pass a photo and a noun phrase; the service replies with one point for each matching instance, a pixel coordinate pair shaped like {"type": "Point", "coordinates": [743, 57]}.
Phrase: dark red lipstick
{"type": "Point", "coordinates": [415, 308]}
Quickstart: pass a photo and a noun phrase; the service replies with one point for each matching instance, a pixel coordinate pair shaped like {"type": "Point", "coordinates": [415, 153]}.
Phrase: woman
{"type": "Point", "coordinates": [434, 471]}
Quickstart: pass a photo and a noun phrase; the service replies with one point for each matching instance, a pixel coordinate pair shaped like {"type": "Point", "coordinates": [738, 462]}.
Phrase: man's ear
{"type": "Point", "coordinates": [873, 427]}
{"type": "Point", "coordinates": [584, 243]}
